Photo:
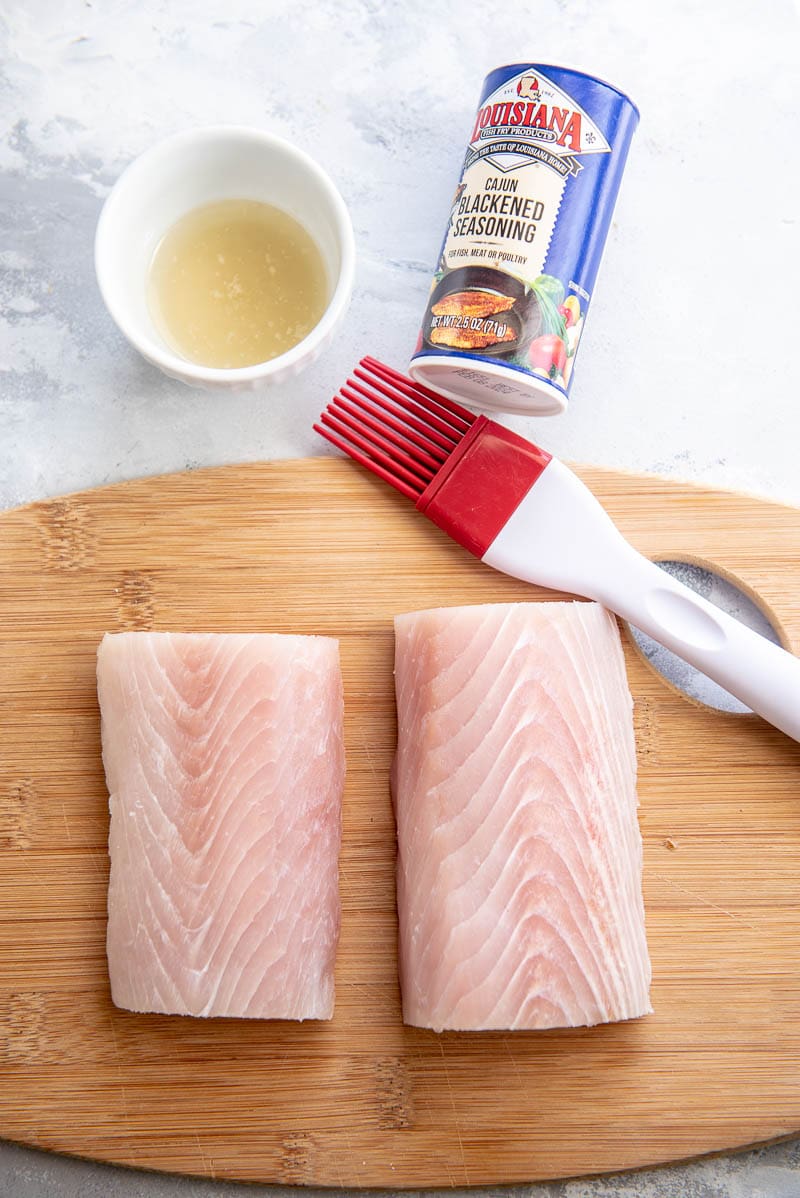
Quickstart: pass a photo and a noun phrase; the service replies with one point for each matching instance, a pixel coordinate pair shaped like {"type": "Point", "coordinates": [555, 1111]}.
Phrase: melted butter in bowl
{"type": "Point", "coordinates": [226, 257]}
{"type": "Point", "coordinates": [236, 283]}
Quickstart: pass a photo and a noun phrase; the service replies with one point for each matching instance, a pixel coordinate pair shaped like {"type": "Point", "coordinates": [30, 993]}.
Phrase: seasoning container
{"type": "Point", "coordinates": [527, 227]}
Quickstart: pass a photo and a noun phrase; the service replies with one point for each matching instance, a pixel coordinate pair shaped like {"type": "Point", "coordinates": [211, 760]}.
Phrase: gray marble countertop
{"type": "Point", "coordinates": [687, 365]}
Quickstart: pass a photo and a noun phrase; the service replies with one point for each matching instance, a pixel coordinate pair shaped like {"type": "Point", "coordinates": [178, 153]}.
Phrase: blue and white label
{"type": "Point", "coordinates": [528, 222]}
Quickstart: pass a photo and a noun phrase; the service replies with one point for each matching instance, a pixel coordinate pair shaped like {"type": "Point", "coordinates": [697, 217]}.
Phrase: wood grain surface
{"type": "Point", "coordinates": [321, 546]}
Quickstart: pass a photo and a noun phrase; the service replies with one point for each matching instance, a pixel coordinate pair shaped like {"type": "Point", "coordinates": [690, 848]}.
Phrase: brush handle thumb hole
{"type": "Point", "coordinates": [758, 672]}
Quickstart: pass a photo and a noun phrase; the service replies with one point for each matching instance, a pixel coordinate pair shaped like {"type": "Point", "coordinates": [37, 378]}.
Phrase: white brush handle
{"type": "Point", "coordinates": [765, 677]}
{"type": "Point", "coordinates": [561, 537]}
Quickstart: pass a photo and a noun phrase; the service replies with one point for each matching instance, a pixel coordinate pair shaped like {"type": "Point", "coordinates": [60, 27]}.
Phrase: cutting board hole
{"type": "Point", "coordinates": [724, 593]}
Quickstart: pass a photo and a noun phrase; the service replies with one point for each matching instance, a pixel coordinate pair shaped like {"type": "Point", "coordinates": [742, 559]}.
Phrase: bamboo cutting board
{"type": "Point", "coordinates": [323, 547]}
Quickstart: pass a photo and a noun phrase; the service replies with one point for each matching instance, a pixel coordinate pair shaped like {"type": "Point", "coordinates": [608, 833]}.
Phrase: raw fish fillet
{"type": "Point", "coordinates": [519, 854]}
{"type": "Point", "coordinates": [225, 766]}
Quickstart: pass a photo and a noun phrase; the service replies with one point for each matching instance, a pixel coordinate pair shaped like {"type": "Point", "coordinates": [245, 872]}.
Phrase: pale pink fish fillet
{"type": "Point", "coordinates": [224, 761]}
{"type": "Point", "coordinates": [519, 875]}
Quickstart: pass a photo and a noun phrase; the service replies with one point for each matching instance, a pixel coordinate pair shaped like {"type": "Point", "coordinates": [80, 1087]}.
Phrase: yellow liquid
{"type": "Point", "coordinates": [236, 283]}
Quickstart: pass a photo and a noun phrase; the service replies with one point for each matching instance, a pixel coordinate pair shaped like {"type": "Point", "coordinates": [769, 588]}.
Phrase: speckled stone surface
{"type": "Point", "coordinates": [687, 368]}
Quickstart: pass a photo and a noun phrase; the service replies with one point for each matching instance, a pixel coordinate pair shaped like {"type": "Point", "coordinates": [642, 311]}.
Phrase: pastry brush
{"type": "Point", "coordinates": [523, 512]}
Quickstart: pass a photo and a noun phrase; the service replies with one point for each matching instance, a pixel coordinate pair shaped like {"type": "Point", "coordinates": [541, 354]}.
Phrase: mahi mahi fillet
{"type": "Point", "coordinates": [225, 766]}
{"type": "Point", "coordinates": [519, 878]}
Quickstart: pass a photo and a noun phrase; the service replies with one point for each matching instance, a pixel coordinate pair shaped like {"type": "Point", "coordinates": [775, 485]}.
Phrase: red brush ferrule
{"type": "Point", "coordinates": [482, 483]}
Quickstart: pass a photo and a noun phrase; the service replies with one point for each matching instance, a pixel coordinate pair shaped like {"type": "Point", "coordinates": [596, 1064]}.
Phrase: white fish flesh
{"type": "Point", "coordinates": [519, 877]}
{"type": "Point", "coordinates": [225, 766]}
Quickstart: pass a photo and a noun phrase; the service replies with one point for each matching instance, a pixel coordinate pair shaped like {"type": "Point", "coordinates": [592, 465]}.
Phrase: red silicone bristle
{"type": "Point", "coordinates": [368, 436]}
{"type": "Point", "coordinates": [402, 432]}
{"type": "Point", "coordinates": [368, 461]}
{"type": "Point", "coordinates": [429, 440]}
{"type": "Point", "coordinates": [392, 433]}
{"type": "Point", "coordinates": [406, 394]}
{"type": "Point", "coordinates": [392, 375]}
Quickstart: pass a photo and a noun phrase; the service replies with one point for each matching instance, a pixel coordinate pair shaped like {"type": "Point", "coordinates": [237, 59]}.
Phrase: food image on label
{"type": "Point", "coordinates": [475, 318]}
{"type": "Point", "coordinates": [472, 303]}
{"type": "Point", "coordinates": [477, 334]}
{"type": "Point", "coordinates": [527, 225]}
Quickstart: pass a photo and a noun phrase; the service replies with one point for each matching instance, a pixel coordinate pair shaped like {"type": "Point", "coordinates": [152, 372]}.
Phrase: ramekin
{"type": "Point", "coordinates": [204, 166]}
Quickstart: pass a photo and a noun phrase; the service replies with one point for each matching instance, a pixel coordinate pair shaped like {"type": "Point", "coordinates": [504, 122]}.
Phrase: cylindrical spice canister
{"type": "Point", "coordinates": [527, 227]}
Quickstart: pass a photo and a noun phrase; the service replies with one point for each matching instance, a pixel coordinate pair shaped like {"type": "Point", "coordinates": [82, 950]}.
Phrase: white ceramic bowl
{"type": "Point", "coordinates": [203, 166]}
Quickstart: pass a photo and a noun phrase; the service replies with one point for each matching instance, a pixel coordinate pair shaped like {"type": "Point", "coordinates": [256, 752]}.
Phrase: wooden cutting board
{"type": "Point", "coordinates": [320, 546]}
